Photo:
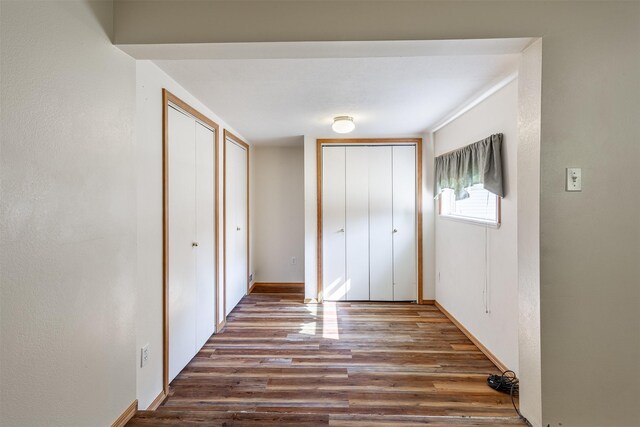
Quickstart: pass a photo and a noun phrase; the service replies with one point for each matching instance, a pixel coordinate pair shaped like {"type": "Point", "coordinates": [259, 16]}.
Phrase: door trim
{"type": "Point", "coordinates": [237, 140]}
{"type": "Point", "coordinates": [167, 98]}
{"type": "Point", "coordinates": [417, 142]}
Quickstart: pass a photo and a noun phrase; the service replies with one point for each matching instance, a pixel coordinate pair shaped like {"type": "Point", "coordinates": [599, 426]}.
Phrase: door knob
{"type": "Point", "coordinates": [341, 230]}
{"type": "Point", "coordinates": [237, 228]}
{"type": "Point", "coordinates": [194, 244]}
{"type": "Point", "coordinates": [395, 230]}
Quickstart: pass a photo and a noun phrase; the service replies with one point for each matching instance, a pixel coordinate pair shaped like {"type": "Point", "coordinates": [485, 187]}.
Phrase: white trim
{"type": "Point", "coordinates": [474, 221]}
{"type": "Point", "coordinates": [495, 86]}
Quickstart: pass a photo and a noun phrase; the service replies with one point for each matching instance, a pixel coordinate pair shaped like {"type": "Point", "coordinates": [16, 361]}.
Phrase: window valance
{"type": "Point", "coordinates": [477, 163]}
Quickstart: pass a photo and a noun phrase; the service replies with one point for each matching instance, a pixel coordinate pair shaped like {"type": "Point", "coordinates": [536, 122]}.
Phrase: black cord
{"type": "Point", "coordinates": [506, 383]}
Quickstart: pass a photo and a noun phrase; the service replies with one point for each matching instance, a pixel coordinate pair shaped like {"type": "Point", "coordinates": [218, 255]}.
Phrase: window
{"type": "Point", "coordinates": [481, 206]}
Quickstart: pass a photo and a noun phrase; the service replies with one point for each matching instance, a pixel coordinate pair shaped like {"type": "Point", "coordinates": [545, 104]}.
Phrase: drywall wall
{"type": "Point", "coordinates": [311, 219]}
{"type": "Point", "coordinates": [428, 219]}
{"type": "Point", "coordinates": [529, 98]}
{"type": "Point", "coordinates": [150, 80]}
{"type": "Point", "coordinates": [279, 200]}
{"type": "Point", "coordinates": [477, 266]}
{"type": "Point", "coordinates": [590, 103]}
{"type": "Point", "coordinates": [68, 216]}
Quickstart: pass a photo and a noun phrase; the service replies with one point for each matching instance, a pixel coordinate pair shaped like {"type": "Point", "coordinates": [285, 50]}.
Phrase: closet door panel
{"type": "Point", "coordinates": [205, 231]}
{"type": "Point", "coordinates": [404, 224]}
{"type": "Point", "coordinates": [357, 223]}
{"type": "Point", "coordinates": [333, 223]}
{"type": "Point", "coordinates": [381, 223]}
{"type": "Point", "coordinates": [181, 235]}
{"type": "Point", "coordinates": [236, 214]}
{"type": "Point", "coordinates": [230, 208]}
{"type": "Point", "coordinates": [242, 225]}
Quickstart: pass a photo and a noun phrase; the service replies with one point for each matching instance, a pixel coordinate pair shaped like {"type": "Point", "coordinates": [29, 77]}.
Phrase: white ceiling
{"type": "Point", "coordinates": [274, 95]}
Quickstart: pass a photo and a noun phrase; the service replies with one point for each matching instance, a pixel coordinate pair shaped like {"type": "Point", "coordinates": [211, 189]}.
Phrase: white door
{"type": "Point", "coordinates": [381, 223]}
{"type": "Point", "coordinates": [205, 232]}
{"type": "Point", "coordinates": [357, 223]}
{"type": "Point", "coordinates": [236, 224]}
{"type": "Point", "coordinates": [333, 224]}
{"type": "Point", "coordinates": [181, 236]}
{"type": "Point", "coordinates": [404, 224]}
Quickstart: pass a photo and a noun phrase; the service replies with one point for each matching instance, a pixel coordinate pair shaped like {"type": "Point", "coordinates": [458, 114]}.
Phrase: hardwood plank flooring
{"type": "Point", "coordinates": [280, 362]}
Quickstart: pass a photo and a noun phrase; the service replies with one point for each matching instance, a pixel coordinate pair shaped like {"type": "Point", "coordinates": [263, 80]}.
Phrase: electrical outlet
{"type": "Point", "coordinates": [144, 355]}
{"type": "Point", "coordinates": [293, 260]}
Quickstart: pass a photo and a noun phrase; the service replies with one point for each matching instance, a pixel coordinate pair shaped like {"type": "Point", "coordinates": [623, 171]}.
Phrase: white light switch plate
{"type": "Point", "coordinates": [144, 355]}
{"type": "Point", "coordinates": [574, 179]}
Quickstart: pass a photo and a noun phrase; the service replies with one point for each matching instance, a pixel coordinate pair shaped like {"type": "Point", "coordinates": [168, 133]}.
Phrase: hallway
{"type": "Point", "coordinates": [281, 362]}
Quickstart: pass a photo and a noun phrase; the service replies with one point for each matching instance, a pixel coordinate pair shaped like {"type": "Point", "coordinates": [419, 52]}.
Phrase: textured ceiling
{"type": "Point", "coordinates": [273, 100]}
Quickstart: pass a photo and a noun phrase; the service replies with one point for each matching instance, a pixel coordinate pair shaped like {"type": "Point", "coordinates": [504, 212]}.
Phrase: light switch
{"type": "Point", "coordinates": [574, 179]}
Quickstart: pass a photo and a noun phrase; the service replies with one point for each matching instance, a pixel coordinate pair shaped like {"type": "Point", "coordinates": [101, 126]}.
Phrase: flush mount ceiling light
{"type": "Point", "coordinates": [343, 124]}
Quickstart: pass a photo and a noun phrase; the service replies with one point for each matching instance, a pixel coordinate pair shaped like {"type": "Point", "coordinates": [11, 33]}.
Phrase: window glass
{"type": "Point", "coordinates": [481, 205]}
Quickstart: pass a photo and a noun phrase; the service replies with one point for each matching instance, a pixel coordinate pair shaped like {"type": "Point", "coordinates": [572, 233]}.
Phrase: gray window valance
{"type": "Point", "coordinates": [477, 163]}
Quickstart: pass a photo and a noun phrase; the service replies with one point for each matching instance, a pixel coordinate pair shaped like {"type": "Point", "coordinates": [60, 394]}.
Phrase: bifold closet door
{"type": "Point", "coordinates": [357, 223]}
{"type": "Point", "coordinates": [404, 224]}
{"type": "Point", "coordinates": [381, 223]}
{"type": "Point", "coordinates": [181, 235]}
{"type": "Point", "coordinates": [205, 232]}
{"type": "Point", "coordinates": [333, 224]}
{"type": "Point", "coordinates": [236, 224]}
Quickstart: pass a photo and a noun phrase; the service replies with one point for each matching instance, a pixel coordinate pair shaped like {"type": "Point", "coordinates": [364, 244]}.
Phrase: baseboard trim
{"type": "Point", "coordinates": [311, 301]}
{"type": "Point", "coordinates": [157, 401]}
{"type": "Point", "coordinates": [220, 326]}
{"type": "Point", "coordinates": [128, 413]}
{"type": "Point", "coordinates": [428, 302]}
{"type": "Point", "coordinates": [473, 339]}
{"type": "Point", "coordinates": [251, 287]}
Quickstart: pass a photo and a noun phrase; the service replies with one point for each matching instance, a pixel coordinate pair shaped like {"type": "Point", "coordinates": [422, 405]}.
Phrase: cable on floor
{"type": "Point", "coordinates": [506, 383]}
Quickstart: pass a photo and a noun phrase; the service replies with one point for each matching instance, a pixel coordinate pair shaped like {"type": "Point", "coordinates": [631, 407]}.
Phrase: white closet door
{"type": "Point", "coordinates": [205, 224]}
{"type": "Point", "coordinates": [381, 223]}
{"type": "Point", "coordinates": [236, 223]}
{"type": "Point", "coordinates": [182, 234]}
{"type": "Point", "coordinates": [333, 223]}
{"type": "Point", "coordinates": [357, 223]}
{"type": "Point", "coordinates": [404, 223]}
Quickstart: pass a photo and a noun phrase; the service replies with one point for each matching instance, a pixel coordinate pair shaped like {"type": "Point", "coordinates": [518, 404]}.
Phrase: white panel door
{"type": "Point", "coordinates": [181, 236]}
{"type": "Point", "coordinates": [236, 224]}
{"type": "Point", "coordinates": [381, 223]}
{"type": "Point", "coordinates": [404, 224]}
{"type": "Point", "coordinates": [357, 223]}
{"type": "Point", "coordinates": [333, 223]}
{"type": "Point", "coordinates": [205, 231]}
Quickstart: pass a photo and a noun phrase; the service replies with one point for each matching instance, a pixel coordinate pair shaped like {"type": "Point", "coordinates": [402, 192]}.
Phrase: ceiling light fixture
{"type": "Point", "coordinates": [343, 124]}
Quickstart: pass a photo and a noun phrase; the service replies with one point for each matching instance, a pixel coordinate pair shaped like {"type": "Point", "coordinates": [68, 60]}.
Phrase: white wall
{"type": "Point", "coordinates": [428, 219]}
{"type": "Point", "coordinates": [149, 83]}
{"type": "Point", "coordinates": [529, 99]}
{"type": "Point", "coordinates": [67, 356]}
{"type": "Point", "coordinates": [589, 109]}
{"type": "Point", "coordinates": [279, 208]}
{"type": "Point", "coordinates": [311, 219]}
{"type": "Point", "coordinates": [461, 247]}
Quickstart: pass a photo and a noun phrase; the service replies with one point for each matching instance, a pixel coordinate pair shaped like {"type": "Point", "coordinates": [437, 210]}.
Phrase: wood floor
{"type": "Point", "coordinates": [280, 362]}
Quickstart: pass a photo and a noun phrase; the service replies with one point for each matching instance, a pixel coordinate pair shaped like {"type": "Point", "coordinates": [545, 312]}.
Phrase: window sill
{"type": "Point", "coordinates": [484, 223]}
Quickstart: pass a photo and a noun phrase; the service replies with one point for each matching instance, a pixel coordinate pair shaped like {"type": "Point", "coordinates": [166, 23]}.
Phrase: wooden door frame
{"type": "Point", "coordinates": [169, 98]}
{"type": "Point", "coordinates": [237, 140]}
{"type": "Point", "coordinates": [417, 142]}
